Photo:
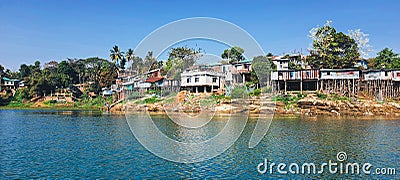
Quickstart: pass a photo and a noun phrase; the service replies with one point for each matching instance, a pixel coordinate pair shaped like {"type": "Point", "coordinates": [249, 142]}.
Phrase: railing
{"type": "Point", "coordinates": [295, 75]}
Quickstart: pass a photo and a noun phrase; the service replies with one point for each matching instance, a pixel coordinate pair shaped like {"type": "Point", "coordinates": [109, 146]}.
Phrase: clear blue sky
{"type": "Point", "coordinates": [56, 29]}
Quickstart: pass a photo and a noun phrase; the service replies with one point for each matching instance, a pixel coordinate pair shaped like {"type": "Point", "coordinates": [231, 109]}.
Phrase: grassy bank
{"type": "Point", "coordinates": [85, 103]}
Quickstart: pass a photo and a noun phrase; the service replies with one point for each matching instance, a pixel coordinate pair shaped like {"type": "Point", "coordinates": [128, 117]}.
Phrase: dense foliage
{"type": "Point", "coordinates": [179, 59]}
{"type": "Point", "coordinates": [261, 70]}
{"type": "Point", "coordinates": [385, 59]}
{"type": "Point", "coordinates": [332, 49]}
{"type": "Point", "coordinates": [234, 54]}
{"type": "Point", "coordinates": [96, 72]}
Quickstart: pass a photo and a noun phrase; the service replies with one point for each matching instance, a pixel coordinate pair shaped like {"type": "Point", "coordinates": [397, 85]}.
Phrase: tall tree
{"type": "Point", "coordinates": [332, 49]}
{"type": "Point", "coordinates": [24, 71]}
{"type": "Point", "coordinates": [234, 54]}
{"type": "Point", "coordinates": [261, 69]}
{"type": "Point", "coordinates": [362, 41]}
{"type": "Point", "coordinates": [150, 62]}
{"type": "Point", "coordinates": [386, 59]}
{"type": "Point", "coordinates": [179, 59]}
{"type": "Point", "coordinates": [116, 54]}
{"type": "Point", "coordinates": [129, 56]}
{"type": "Point", "coordinates": [1, 71]}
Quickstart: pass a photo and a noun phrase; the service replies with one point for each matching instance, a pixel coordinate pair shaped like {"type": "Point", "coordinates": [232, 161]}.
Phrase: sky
{"type": "Point", "coordinates": [48, 30]}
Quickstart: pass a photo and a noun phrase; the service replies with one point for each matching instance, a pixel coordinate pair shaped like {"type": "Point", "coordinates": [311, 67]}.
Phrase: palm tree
{"type": "Point", "coordinates": [129, 56]}
{"type": "Point", "coordinates": [116, 54]}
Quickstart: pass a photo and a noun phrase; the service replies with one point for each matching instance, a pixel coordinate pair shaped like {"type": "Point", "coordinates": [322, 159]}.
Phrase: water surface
{"type": "Point", "coordinates": [80, 144]}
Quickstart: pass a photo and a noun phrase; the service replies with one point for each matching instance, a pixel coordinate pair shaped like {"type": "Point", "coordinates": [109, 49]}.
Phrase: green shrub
{"type": "Point", "coordinates": [152, 100]}
{"type": "Point", "coordinates": [256, 92]}
{"type": "Point", "coordinates": [288, 99]}
{"type": "Point", "coordinates": [239, 92]}
{"type": "Point", "coordinates": [135, 95]}
{"type": "Point", "coordinates": [50, 102]}
{"type": "Point", "coordinates": [321, 95]}
{"type": "Point", "coordinates": [336, 97]}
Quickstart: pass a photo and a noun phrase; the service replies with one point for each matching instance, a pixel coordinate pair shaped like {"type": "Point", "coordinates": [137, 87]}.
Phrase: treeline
{"type": "Point", "coordinates": [95, 72]}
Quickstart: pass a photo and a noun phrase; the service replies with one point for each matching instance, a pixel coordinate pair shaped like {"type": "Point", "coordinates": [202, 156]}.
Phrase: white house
{"type": "Point", "coordinates": [377, 75]}
{"type": "Point", "coordinates": [339, 74]}
{"type": "Point", "coordinates": [281, 63]}
{"type": "Point", "coordinates": [396, 75]}
{"type": "Point", "coordinates": [10, 83]}
{"type": "Point", "coordinates": [202, 81]}
{"type": "Point", "coordinates": [225, 69]}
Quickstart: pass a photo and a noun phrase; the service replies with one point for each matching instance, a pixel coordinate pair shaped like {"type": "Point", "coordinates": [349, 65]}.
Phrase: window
{"type": "Point", "coordinates": [328, 73]}
{"type": "Point", "coordinates": [188, 80]}
{"type": "Point", "coordinates": [386, 73]}
{"type": "Point", "coordinates": [196, 79]}
{"type": "Point", "coordinates": [214, 80]}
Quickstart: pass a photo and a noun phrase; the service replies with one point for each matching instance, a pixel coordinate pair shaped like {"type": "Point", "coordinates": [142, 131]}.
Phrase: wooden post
{"type": "Point", "coordinates": [285, 88]}
{"type": "Point", "coordinates": [301, 82]}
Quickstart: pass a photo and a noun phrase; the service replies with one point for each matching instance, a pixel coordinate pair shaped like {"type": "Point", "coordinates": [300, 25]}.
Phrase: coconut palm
{"type": "Point", "coordinates": [116, 54]}
{"type": "Point", "coordinates": [129, 56]}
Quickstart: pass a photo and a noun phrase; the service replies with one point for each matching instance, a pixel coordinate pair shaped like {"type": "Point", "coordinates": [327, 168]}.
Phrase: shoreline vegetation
{"type": "Point", "coordinates": [309, 105]}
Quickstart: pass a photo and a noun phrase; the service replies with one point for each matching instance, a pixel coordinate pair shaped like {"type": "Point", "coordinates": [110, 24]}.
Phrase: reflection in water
{"type": "Point", "coordinates": [81, 145]}
{"type": "Point", "coordinates": [147, 133]}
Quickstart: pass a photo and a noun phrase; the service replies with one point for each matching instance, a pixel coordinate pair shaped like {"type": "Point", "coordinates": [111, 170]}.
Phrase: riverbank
{"type": "Point", "coordinates": [310, 105]}
{"type": "Point", "coordinates": [94, 104]}
{"type": "Point", "coordinates": [314, 104]}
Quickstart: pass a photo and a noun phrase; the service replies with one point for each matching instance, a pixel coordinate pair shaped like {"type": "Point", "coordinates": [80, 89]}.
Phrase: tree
{"type": "Point", "coordinates": [116, 54]}
{"type": "Point", "coordinates": [52, 64]}
{"type": "Point", "coordinates": [101, 72]}
{"type": "Point", "coordinates": [179, 59]}
{"type": "Point", "coordinates": [261, 69]}
{"type": "Point", "coordinates": [2, 71]}
{"type": "Point", "coordinates": [129, 56]}
{"type": "Point", "coordinates": [332, 49]}
{"type": "Point", "coordinates": [24, 71]}
{"type": "Point", "coordinates": [386, 59]}
{"type": "Point", "coordinates": [234, 54]}
{"type": "Point", "coordinates": [296, 62]}
{"type": "Point", "coordinates": [187, 55]}
{"type": "Point", "coordinates": [150, 62]}
{"type": "Point", "coordinates": [362, 42]}
{"type": "Point", "coordinates": [137, 65]}
{"type": "Point", "coordinates": [122, 63]}
{"type": "Point", "coordinates": [67, 74]}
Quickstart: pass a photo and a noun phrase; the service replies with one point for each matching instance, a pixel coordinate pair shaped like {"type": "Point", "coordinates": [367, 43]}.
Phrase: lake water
{"type": "Point", "coordinates": [79, 144]}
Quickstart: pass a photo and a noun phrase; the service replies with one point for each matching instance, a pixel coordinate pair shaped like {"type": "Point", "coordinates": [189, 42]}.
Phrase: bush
{"type": "Point", "coordinates": [256, 92]}
{"type": "Point", "coordinates": [50, 102]}
{"type": "Point", "coordinates": [336, 97]}
{"type": "Point", "coordinates": [135, 95]}
{"type": "Point", "coordinates": [321, 95]}
{"type": "Point", "coordinates": [218, 98]}
{"type": "Point", "coordinates": [239, 92]}
{"type": "Point", "coordinates": [21, 95]}
{"type": "Point", "coordinates": [152, 100]}
{"type": "Point", "coordinates": [287, 99]}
